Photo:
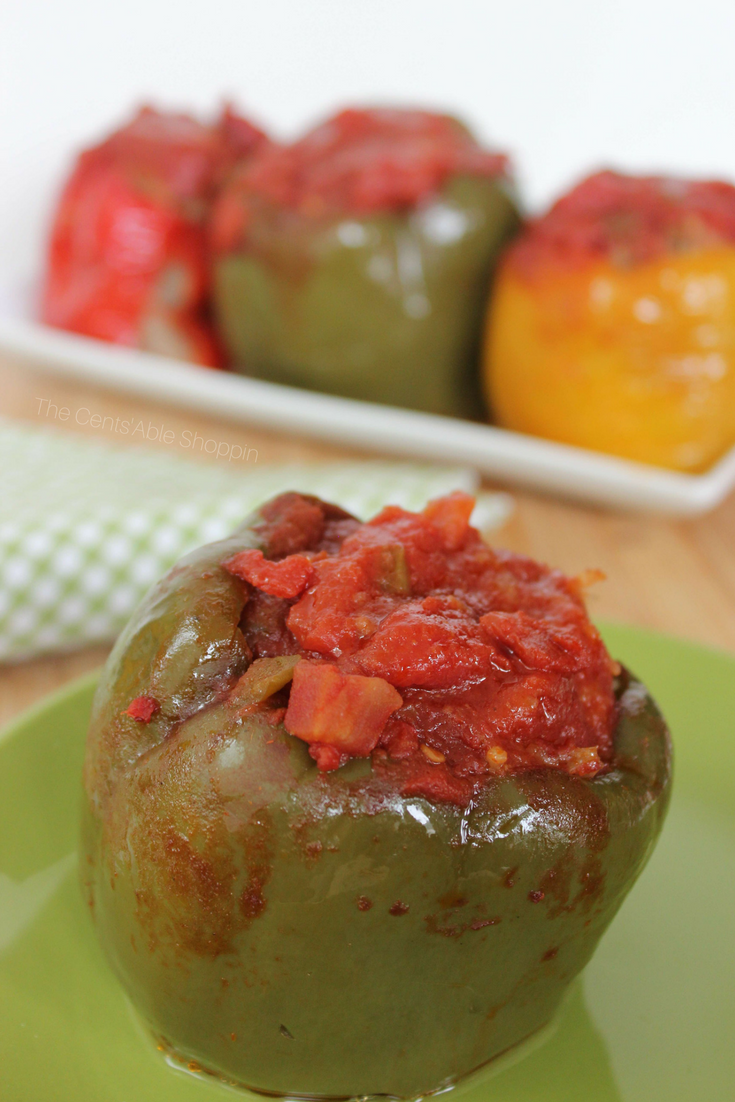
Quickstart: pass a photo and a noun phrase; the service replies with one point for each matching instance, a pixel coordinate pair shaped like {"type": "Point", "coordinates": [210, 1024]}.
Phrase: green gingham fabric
{"type": "Point", "coordinates": [87, 527]}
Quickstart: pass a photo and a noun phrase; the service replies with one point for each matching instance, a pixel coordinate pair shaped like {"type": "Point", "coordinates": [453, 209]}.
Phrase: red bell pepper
{"type": "Point", "coordinates": [127, 258]}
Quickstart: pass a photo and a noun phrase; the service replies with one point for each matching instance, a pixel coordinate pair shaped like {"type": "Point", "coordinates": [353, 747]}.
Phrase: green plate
{"type": "Point", "coordinates": [652, 1019]}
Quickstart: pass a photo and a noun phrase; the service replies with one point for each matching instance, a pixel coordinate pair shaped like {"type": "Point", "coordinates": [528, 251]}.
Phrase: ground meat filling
{"type": "Point", "coordinates": [444, 660]}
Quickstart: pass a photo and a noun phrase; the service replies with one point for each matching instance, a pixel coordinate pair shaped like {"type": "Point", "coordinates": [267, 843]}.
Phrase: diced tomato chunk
{"type": "Point", "coordinates": [287, 578]}
{"type": "Point", "coordinates": [327, 758]}
{"type": "Point", "coordinates": [346, 711]}
{"type": "Point", "coordinates": [143, 708]}
{"type": "Point", "coordinates": [451, 516]}
{"type": "Point", "coordinates": [324, 619]}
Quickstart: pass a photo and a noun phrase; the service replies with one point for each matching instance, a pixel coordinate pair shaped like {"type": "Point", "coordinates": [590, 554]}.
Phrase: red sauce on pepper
{"type": "Point", "coordinates": [360, 162]}
{"type": "Point", "coordinates": [626, 220]}
{"type": "Point", "coordinates": [143, 708]}
{"type": "Point", "coordinates": [472, 662]}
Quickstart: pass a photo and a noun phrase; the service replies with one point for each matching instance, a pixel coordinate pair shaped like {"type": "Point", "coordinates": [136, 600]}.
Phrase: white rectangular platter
{"type": "Point", "coordinates": [507, 457]}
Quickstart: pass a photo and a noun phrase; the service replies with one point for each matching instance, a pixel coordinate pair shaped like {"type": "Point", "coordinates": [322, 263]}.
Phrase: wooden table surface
{"type": "Point", "coordinates": [676, 576]}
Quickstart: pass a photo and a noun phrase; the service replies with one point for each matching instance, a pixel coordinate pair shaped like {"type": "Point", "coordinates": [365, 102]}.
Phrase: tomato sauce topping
{"type": "Point", "coordinates": [626, 220]}
{"type": "Point", "coordinates": [360, 162]}
{"type": "Point", "coordinates": [444, 660]}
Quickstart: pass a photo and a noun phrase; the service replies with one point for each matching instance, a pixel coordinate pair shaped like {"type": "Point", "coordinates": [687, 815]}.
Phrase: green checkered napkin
{"type": "Point", "coordinates": [85, 527]}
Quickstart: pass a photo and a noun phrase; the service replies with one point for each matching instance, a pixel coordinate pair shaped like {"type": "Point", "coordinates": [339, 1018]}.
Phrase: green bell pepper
{"type": "Point", "coordinates": [386, 308]}
{"type": "Point", "coordinates": [311, 933]}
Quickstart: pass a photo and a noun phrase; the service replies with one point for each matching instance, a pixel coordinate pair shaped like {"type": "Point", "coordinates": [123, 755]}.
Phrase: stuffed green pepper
{"type": "Point", "coordinates": [357, 260]}
{"type": "Point", "coordinates": [361, 799]}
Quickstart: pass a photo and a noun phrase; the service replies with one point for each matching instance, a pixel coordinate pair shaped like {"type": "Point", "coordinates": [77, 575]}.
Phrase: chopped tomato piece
{"type": "Point", "coordinates": [287, 578]}
{"type": "Point", "coordinates": [345, 711]}
{"type": "Point", "coordinates": [143, 708]}
{"type": "Point", "coordinates": [327, 758]}
{"type": "Point", "coordinates": [324, 618]}
{"type": "Point", "coordinates": [451, 516]}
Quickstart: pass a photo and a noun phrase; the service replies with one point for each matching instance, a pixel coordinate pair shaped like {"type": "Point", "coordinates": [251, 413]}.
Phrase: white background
{"type": "Point", "coordinates": [564, 85]}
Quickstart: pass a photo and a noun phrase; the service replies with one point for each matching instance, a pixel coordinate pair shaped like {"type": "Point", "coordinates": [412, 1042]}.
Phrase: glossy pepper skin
{"type": "Point", "coordinates": [357, 261]}
{"type": "Point", "coordinates": [314, 933]}
{"type": "Point", "coordinates": [612, 322]}
{"type": "Point", "coordinates": [127, 259]}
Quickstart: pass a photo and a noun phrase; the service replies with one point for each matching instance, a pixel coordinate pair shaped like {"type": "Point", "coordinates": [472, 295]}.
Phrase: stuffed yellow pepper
{"type": "Point", "coordinates": [612, 324]}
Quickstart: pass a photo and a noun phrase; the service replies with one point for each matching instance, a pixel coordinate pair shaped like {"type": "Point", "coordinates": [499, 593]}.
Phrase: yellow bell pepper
{"type": "Point", "coordinates": [614, 352]}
